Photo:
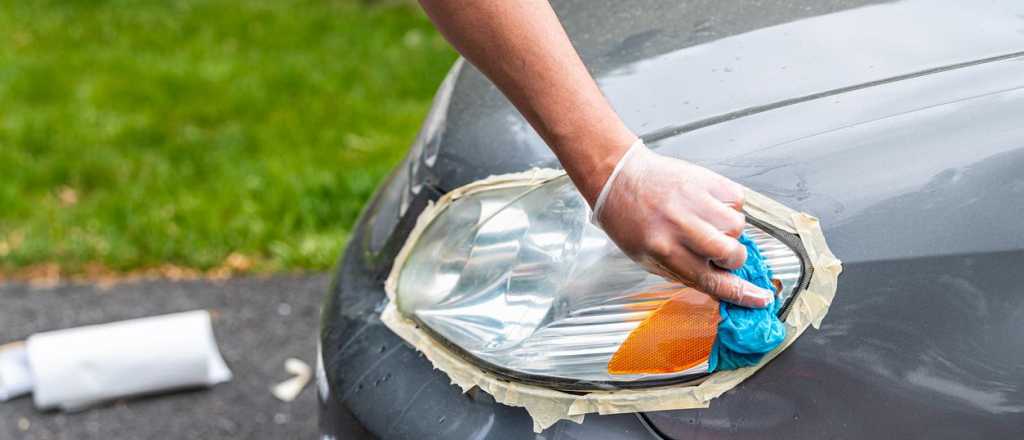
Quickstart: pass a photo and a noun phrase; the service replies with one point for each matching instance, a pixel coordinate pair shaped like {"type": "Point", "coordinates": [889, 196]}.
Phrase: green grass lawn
{"type": "Point", "coordinates": [138, 133]}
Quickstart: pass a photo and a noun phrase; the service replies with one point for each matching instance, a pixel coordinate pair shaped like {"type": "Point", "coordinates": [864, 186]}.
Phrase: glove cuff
{"type": "Point", "coordinates": [603, 196]}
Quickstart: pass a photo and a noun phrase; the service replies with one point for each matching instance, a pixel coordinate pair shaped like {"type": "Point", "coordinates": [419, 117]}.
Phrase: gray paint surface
{"type": "Point", "coordinates": [900, 125]}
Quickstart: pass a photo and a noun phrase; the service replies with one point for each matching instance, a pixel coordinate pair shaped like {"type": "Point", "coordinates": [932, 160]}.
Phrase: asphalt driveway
{"type": "Point", "coordinates": [259, 322]}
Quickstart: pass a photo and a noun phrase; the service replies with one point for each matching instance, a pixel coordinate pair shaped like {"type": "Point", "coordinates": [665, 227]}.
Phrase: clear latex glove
{"type": "Point", "coordinates": [680, 221]}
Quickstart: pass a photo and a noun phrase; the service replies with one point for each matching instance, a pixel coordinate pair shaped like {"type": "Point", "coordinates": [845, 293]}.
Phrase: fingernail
{"type": "Point", "coordinates": [759, 297]}
{"type": "Point", "coordinates": [731, 263]}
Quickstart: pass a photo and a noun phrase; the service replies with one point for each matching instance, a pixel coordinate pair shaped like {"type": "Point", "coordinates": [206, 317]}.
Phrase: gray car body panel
{"type": "Point", "coordinates": [900, 125]}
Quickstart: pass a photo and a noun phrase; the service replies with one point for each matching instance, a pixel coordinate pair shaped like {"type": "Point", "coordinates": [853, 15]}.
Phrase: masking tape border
{"type": "Point", "coordinates": [547, 406]}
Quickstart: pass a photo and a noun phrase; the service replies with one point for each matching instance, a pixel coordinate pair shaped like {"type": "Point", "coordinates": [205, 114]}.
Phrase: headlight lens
{"type": "Point", "coordinates": [519, 280]}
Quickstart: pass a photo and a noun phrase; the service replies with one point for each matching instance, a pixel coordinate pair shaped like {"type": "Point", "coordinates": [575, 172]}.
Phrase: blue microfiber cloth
{"type": "Point", "coordinates": [745, 335]}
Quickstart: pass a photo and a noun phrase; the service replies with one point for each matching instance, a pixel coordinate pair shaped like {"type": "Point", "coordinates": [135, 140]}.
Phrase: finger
{"type": "Point", "coordinates": [729, 193]}
{"type": "Point", "coordinates": [707, 242]}
{"type": "Point", "coordinates": [731, 288]}
{"type": "Point", "coordinates": [694, 271]}
{"type": "Point", "coordinates": [723, 218]}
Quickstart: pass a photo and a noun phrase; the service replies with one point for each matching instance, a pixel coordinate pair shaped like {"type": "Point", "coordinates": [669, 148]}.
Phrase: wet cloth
{"type": "Point", "coordinates": [745, 335]}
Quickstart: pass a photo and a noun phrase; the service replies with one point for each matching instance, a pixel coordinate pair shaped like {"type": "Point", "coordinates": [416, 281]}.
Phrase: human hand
{"type": "Point", "coordinates": [678, 220]}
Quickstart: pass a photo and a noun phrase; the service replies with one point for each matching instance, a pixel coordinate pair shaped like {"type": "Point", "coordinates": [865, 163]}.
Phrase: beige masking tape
{"type": "Point", "coordinates": [547, 406]}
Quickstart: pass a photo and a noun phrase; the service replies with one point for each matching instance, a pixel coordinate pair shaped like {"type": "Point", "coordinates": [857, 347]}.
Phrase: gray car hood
{"type": "Point", "coordinates": [899, 125]}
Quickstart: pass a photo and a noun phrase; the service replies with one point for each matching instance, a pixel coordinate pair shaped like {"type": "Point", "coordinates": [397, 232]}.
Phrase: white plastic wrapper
{"type": "Point", "coordinates": [78, 367]}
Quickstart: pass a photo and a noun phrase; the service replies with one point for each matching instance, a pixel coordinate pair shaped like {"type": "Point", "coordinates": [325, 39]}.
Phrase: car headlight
{"type": "Point", "coordinates": [518, 280]}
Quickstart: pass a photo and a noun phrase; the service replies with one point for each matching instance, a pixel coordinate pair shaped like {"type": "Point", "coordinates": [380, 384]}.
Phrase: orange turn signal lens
{"type": "Point", "coordinates": [676, 336]}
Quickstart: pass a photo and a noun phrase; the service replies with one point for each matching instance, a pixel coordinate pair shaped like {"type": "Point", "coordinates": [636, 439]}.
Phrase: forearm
{"type": "Point", "coordinates": [677, 219]}
{"type": "Point", "coordinates": [521, 46]}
